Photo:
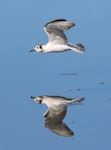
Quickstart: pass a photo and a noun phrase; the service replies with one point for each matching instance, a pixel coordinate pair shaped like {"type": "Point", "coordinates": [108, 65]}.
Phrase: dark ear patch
{"type": "Point", "coordinates": [40, 101]}
{"type": "Point", "coordinates": [40, 46]}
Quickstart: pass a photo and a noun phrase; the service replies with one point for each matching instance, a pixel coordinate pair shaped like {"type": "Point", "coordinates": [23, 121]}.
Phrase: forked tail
{"type": "Point", "coordinates": [77, 48]}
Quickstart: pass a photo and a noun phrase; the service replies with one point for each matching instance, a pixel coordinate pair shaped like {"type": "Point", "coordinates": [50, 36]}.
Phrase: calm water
{"type": "Point", "coordinates": [69, 74]}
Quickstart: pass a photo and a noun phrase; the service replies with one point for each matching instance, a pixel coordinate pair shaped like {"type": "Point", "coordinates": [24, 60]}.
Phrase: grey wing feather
{"type": "Point", "coordinates": [56, 36]}
{"type": "Point", "coordinates": [55, 30]}
{"type": "Point", "coordinates": [54, 121]}
{"type": "Point", "coordinates": [60, 24]}
{"type": "Point", "coordinates": [58, 128]}
{"type": "Point", "coordinates": [57, 112]}
{"type": "Point", "coordinates": [55, 21]}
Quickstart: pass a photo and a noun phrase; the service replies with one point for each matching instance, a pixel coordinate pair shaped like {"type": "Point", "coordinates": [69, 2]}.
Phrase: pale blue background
{"type": "Point", "coordinates": [23, 74]}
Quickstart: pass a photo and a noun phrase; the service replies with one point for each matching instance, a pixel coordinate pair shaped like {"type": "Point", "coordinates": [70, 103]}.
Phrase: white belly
{"type": "Point", "coordinates": [55, 48]}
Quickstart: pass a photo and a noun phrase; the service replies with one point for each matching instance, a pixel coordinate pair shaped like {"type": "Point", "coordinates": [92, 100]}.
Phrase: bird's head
{"type": "Point", "coordinates": [38, 48]}
{"type": "Point", "coordinates": [38, 99]}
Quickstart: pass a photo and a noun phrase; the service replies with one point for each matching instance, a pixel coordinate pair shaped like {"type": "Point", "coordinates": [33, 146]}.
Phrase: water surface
{"type": "Point", "coordinates": [68, 74]}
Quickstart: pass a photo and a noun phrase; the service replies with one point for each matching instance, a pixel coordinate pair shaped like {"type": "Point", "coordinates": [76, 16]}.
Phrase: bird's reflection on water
{"type": "Point", "coordinates": [57, 108]}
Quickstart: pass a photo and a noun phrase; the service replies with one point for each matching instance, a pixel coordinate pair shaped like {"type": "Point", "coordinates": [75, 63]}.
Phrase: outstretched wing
{"type": "Point", "coordinates": [58, 128]}
{"type": "Point", "coordinates": [57, 112]}
{"type": "Point", "coordinates": [53, 122]}
{"type": "Point", "coordinates": [55, 30]}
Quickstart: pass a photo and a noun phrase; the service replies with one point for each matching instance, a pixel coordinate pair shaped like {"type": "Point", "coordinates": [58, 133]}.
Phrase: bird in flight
{"type": "Point", "coordinates": [57, 109]}
{"type": "Point", "coordinates": [57, 39]}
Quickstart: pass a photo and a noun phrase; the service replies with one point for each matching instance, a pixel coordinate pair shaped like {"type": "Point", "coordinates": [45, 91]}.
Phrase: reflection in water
{"type": "Point", "coordinates": [57, 108]}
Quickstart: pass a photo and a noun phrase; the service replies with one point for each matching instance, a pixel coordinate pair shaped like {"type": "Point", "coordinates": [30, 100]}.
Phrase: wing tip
{"type": "Point", "coordinates": [56, 20]}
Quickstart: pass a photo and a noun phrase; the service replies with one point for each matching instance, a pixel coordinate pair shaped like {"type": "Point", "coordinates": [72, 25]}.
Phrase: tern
{"type": "Point", "coordinates": [57, 109]}
{"type": "Point", "coordinates": [57, 39]}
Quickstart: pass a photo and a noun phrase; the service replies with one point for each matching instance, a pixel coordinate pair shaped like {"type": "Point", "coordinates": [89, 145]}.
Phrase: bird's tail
{"type": "Point", "coordinates": [76, 100]}
{"type": "Point", "coordinates": [77, 48]}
